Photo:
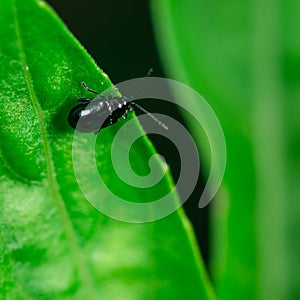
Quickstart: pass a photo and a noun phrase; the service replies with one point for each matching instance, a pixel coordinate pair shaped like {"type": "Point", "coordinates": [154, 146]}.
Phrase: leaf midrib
{"type": "Point", "coordinates": [51, 178]}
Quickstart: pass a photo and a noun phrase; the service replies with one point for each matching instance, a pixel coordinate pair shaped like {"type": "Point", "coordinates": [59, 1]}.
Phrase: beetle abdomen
{"type": "Point", "coordinates": [99, 113]}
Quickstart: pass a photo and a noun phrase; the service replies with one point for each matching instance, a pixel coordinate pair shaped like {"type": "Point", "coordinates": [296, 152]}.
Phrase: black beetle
{"type": "Point", "coordinates": [102, 110]}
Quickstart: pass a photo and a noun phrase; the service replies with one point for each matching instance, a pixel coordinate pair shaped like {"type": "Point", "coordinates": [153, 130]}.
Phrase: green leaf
{"type": "Point", "coordinates": [244, 58]}
{"type": "Point", "coordinates": [54, 243]}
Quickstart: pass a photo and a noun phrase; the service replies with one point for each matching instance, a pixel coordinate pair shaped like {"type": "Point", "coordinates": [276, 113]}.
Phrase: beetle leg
{"type": "Point", "coordinates": [84, 100]}
{"type": "Point", "coordinates": [124, 116]}
{"type": "Point", "coordinates": [88, 89]}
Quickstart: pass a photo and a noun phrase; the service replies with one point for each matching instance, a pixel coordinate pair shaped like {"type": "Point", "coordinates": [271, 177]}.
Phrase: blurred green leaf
{"type": "Point", "coordinates": [54, 244]}
{"type": "Point", "coordinates": [243, 57]}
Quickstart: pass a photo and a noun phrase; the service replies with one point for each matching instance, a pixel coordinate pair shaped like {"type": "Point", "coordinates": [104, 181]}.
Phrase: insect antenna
{"type": "Point", "coordinates": [159, 122]}
{"type": "Point", "coordinates": [142, 83]}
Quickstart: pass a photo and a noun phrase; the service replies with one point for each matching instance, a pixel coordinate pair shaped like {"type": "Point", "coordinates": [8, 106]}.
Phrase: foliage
{"type": "Point", "coordinates": [54, 244]}
{"type": "Point", "coordinates": [244, 58]}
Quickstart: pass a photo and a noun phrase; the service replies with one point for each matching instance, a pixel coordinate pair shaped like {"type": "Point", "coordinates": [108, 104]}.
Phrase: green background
{"type": "Point", "coordinates": [244, 58]}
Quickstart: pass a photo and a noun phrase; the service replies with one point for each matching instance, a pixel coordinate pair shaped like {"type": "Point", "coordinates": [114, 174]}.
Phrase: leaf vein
{"type": "Point", "coordinates": [50, 171]}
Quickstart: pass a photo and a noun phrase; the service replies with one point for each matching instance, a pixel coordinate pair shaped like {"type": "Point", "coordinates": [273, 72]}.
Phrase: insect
{"type": "Point", "coordinates": [107, 110]}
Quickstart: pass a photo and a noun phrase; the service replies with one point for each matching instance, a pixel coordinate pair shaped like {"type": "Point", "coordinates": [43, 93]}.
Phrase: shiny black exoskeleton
{"type": "Point", "coordinates": [98, 113]}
